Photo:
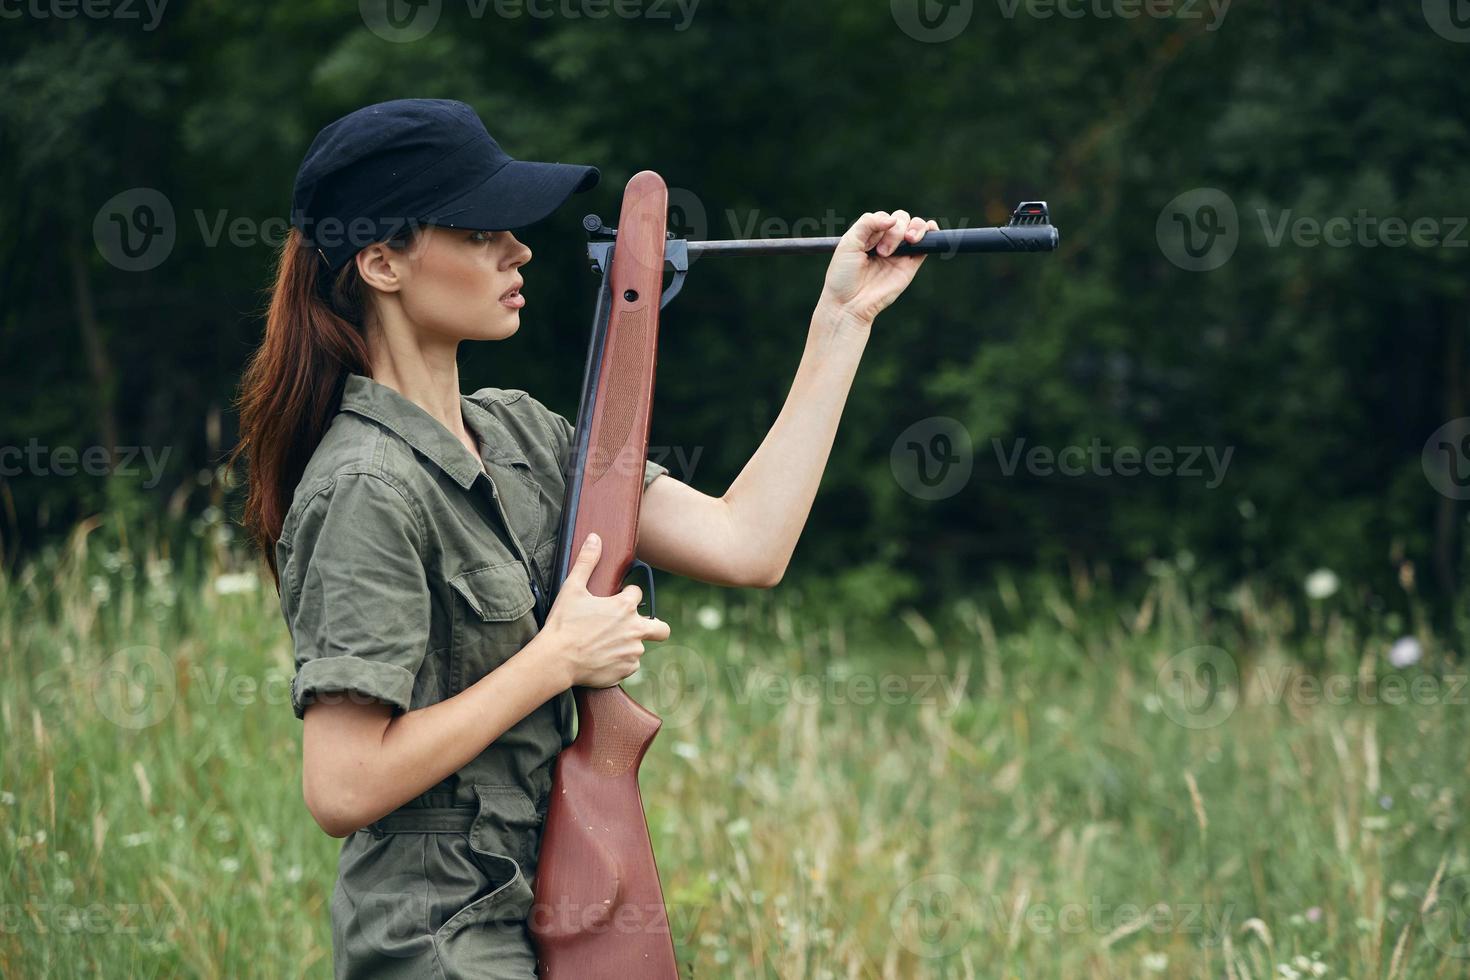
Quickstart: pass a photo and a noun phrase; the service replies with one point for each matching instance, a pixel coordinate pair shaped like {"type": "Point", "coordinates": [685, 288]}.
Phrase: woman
{"type": "Point", "coordinates": [411, 529]}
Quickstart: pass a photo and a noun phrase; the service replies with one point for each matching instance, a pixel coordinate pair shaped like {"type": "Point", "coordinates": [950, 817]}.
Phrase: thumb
{"type": "Point", "coordinates": [581, 569]}
{"type": "Point", "coordinates": [867, 231]}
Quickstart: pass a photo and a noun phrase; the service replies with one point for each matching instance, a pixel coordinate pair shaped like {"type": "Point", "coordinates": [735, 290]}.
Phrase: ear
{"type": "Point", "coordinates": [381, 267]}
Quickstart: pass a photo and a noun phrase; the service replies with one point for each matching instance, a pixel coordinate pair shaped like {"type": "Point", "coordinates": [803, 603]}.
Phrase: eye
{"type": "Point", "coordinates": [482, 237]}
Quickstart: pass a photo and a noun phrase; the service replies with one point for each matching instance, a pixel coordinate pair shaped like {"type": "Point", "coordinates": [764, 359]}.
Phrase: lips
{"type": "Point", "coordinates": [513, 298]}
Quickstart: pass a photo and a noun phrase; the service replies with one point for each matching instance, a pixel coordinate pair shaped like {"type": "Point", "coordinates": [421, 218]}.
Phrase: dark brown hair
{"type": "Point", "coordinates": [292, 387]}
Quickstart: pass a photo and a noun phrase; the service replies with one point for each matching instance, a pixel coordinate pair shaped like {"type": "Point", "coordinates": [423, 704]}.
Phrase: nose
{"type": "Point", "coordinates": [520, 254]}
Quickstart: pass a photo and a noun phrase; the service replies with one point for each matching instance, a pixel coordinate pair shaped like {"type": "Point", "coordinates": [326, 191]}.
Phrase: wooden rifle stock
{"type": "Point", "coordinates": [598, 910]}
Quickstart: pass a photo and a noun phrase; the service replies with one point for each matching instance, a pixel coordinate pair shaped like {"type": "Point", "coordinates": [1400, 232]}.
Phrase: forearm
{"type": "Point", "coordinates": [419, 749]}
{"type": "Point", "coordinates": [770, 500]}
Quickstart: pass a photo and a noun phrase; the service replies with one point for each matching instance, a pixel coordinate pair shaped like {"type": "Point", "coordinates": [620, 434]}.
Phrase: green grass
{"type": "Point", "coordinates": [1024, 783]}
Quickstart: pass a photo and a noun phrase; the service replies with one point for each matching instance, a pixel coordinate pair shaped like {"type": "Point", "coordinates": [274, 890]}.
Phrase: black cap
{"type": "Point", "coordinates": [414, 162]}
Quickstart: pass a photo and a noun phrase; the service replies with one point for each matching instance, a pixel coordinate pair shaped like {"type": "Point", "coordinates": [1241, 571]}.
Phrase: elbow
{"type": "Point", "coordinates": [333, 808]}
{"type": "Point", "coordinates": [768, 578]}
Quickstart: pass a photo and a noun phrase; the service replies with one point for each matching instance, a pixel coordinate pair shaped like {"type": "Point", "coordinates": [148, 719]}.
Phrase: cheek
{"type": "Point", "coordinates": [451, 292]}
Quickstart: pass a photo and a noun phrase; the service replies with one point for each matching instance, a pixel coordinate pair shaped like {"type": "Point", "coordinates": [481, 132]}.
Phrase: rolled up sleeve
{"type": "Point", "coordinates": [355, 595]}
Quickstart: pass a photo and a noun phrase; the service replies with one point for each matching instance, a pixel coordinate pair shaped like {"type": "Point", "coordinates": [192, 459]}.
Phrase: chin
{"type": "Point", "coordinates": [499, 325]}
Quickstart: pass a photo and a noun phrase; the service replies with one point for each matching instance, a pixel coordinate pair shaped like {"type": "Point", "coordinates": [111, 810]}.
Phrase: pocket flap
{"type": "Point", "coordinates": [496, 592]}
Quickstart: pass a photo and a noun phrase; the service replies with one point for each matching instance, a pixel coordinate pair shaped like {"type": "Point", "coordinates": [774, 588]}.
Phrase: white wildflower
{"type": "Point", "coordinates": [686, 750]}
{"type": "Point", "coordinates": [709, 617]}
{"type": "Point", "coordinates": [1321, 584]}
{"type": "Point", "coordinates": [236, 583]}
{"type": "Point", "coordinates": [1156, 962]}
{"type": "Point", "coordinates": [134, 840]}
{"type": "Point", "coordinates": [7, 798]}
{"type": "Point", "coordinates": [229, 865]}
{"type": "Point", "coordinates": [1405, 652]}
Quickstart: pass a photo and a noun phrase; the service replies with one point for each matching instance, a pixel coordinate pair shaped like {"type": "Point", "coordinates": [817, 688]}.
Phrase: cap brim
{"type": "Point", "coordinates": [520, 193]}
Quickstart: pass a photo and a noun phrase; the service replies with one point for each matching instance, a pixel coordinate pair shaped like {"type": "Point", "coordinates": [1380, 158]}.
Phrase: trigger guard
{"type": "Point", "coordinates": [648, 576]}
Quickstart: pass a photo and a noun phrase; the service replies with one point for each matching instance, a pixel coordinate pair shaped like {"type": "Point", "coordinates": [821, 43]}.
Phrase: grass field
{"type": "Point", "coordinates": [1042, 780]}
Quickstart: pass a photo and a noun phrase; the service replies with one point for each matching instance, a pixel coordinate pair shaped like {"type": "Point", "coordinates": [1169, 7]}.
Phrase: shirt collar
{"type": "Point", "coordinates": [371, 399]}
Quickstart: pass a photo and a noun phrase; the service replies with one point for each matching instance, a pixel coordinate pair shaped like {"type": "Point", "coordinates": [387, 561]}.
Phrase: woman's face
{"type": "Point", "coordinates": [458, 284]}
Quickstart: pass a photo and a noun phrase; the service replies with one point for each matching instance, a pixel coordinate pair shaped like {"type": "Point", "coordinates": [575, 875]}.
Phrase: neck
{"type": "Point", "coordinates": [424, 372]}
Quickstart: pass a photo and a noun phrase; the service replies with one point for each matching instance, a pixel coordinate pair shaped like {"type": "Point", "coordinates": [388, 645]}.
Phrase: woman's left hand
{"type": "Point", "coordinates": [859, 286]}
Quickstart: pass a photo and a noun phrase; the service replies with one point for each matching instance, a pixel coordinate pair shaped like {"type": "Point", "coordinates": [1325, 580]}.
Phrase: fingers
{"type": "Point", "coordinates": [895, 234]}
{"type": "Point", "coordinates": [886, 230]}
{"type": "Point", "coordinates": [632, 595]}
{"type": "Point", "coordinates": [581, 569]}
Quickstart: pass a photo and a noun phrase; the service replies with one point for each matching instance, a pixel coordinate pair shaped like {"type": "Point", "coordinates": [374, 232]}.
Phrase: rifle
{"type": "Point", "coordinates": [598, 910]}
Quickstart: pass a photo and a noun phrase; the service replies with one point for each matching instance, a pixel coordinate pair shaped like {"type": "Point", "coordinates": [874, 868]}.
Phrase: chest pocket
{"type": "Point", "coordinates": [493, 618]}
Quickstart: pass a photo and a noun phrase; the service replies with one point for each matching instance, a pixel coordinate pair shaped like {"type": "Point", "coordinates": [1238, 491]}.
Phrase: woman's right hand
{"type": "Point", "coordinates": [599, 639]}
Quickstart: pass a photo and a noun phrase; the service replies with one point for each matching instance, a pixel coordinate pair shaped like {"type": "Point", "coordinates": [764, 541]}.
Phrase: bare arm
{"type": "Point", "coordinates": [747, 536]}
{"type": "Point", "coordinates": [360, 763]}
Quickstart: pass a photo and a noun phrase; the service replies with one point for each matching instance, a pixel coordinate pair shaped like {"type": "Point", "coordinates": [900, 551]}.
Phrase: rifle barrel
{"type": "Point", "coordinates": [1010, 238]}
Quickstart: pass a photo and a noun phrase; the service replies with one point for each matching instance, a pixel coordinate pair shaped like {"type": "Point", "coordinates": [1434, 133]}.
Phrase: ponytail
{"type": "Point", "coordinates": [292, 386]}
